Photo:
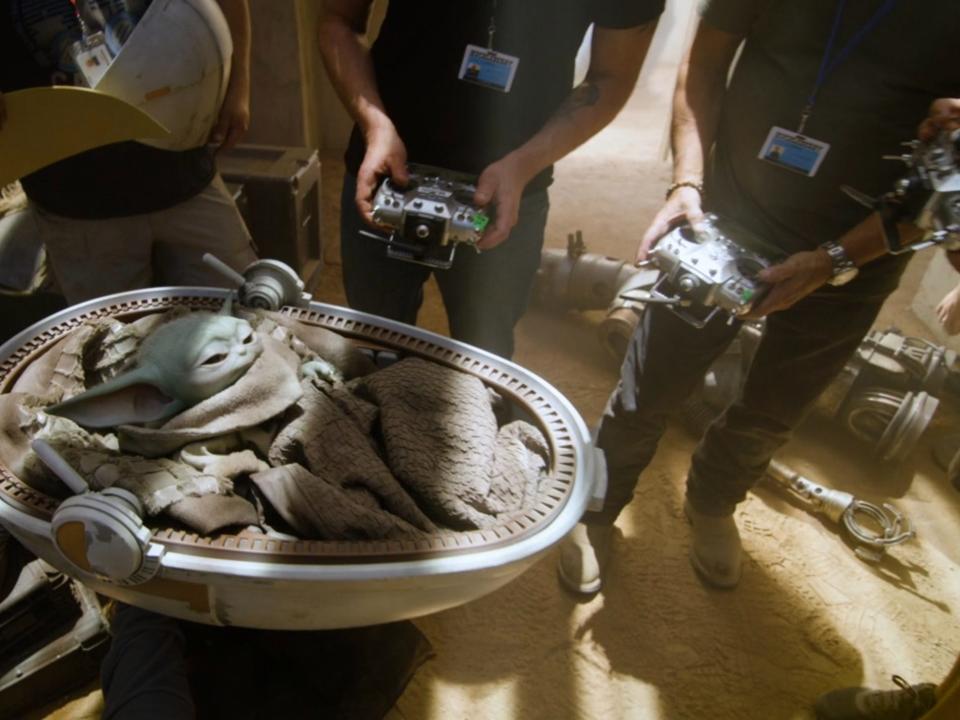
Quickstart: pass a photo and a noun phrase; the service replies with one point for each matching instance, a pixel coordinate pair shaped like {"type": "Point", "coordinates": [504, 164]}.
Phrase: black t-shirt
{"type": "Point", "coordinates": [868, 105]}
{"type": "Point", "coordinates": [114, 180]}
{"type": "Point", "coordinates": [450, 123]}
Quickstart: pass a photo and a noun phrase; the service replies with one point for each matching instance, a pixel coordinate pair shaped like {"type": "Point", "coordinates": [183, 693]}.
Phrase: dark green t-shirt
{"type": "Point", "coordinates": [870, 104]}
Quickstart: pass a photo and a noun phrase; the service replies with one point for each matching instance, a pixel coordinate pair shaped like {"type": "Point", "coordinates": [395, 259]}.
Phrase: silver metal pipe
{"type": "Point", "coordinates": [59, 467]}
{"type": "Point", "coordinates": [221, 267]}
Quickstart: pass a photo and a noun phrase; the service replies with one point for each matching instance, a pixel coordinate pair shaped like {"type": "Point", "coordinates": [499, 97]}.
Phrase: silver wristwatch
{"type": "Point", "coordinates": [843, 268]}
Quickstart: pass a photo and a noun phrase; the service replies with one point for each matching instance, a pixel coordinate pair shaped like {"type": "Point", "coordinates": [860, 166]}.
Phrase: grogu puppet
{"type": "Point", "coordinates": [178, 365]}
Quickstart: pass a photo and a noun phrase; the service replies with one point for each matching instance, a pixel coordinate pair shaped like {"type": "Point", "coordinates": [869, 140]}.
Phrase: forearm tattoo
{"type": "Point", "coordinates": [585, 94]}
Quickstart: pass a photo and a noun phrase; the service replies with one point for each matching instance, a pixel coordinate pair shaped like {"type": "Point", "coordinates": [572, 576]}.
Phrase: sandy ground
{"type": "Point", "coordinates": [808, 615]}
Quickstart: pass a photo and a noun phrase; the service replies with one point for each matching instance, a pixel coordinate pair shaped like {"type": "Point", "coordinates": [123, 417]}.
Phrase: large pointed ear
{"type": "Point", "coordinates": [129, 398]}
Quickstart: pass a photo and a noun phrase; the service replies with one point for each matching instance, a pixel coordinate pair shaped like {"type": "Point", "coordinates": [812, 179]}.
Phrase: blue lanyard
{"type": "Point", "coordinates": [828, 64]}
{"type": "Point", "coordinates": [492, 29]}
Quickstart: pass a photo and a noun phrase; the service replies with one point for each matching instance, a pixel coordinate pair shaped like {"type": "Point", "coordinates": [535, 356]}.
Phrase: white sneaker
{"type": "Point", "coordinates": [584, 555]}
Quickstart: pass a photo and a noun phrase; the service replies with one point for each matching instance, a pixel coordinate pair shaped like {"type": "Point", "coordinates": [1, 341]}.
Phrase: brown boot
{"type": "Point", "coordinates": [584, 555]}
{"type": "Point", "coordinates": [715, 552]}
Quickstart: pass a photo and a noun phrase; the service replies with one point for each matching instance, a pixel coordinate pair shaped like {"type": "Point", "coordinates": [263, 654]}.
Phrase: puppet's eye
{"type": "Point", "coordinates": [248, 339]}
{"type": "Point", "coordinates": [215, 359]}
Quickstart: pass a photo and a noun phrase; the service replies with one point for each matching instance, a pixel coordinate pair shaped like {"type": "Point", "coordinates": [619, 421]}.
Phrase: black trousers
{"type": "Point", "coordinates": [144, 675]}
{"type": "Point", "coordinates": [485, 294]}
{"type": "Point", "coordinates": [803, 348]}
{"type": "Point", "coordinates": [159, 668]}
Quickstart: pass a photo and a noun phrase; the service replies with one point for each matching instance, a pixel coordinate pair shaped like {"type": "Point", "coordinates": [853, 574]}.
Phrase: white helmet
{"type": "Point", "coordinates": [175, 65]}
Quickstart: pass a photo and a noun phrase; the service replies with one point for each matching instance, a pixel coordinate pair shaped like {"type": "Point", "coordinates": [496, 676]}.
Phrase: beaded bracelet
{"type": "Point", "coordinates": [684, 183]}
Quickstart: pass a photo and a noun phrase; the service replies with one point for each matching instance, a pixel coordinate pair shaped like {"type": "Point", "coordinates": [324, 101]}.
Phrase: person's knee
{"type": "Point", "coordinates": [735, 452]}
{"type": "Point", "coordinates": [630, 427]}
{"type": "Point", "coordinates": [628, 439]}
{"type": "Point", "coordinates": [765, 423]}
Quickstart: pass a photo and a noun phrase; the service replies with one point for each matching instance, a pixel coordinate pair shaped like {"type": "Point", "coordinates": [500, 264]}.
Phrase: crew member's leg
{"type": "Point", "coordinates": [801, 352]}
{"type": "Point", "coordinates": [373, 282]}
{"type": "Point", "coordinates": [13, 557]}
{"type": "Point", "coordinates": [486, 293]}
{"type": "Point", "coordinates": [948, 695]}
{"type": "Point", "coordinates": [666, 360]}
{"type": "Point", "coordinates": [144, 675]}
{"type": "Point", "coordinates": [209, 222]}
{"type": "Point", "coordinates": [92, 258]}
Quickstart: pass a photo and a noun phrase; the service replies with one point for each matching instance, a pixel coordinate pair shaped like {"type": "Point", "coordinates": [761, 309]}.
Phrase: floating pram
{"type": "Point", "coordinates": [271, 582]}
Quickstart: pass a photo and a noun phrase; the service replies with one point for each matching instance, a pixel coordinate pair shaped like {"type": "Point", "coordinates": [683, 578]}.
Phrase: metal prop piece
{"type": "Point", "coordinates": [886, 395]}
{"type": "Point", "coordinates": [927, 196]}
{"type": "Point", "coordinates": [574, 279]}
{"type": "Point", "coordinates": [890, 421]}
{"type": "Point", "coordinates": [871, 527]}
{"type": "Point", "coordinates": [889, 391]}
{"type": "Point", "coordinates": [264, 284]}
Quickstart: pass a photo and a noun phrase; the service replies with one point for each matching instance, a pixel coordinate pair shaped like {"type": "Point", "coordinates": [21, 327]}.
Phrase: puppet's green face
{"type": "Point", "coordinates": [199, 355]}
{"type": "Point", "coordinates": [179, 365]}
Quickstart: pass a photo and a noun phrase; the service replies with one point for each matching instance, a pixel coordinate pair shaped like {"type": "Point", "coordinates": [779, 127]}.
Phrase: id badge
{"type": "Point", "coordinates": [793, 151]}
{"type": "Point", "coordinates": [489, 68]}
{"type": "Point", "coordinates": [92, 60]}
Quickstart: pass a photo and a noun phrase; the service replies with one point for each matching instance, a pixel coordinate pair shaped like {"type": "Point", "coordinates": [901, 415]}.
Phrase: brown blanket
{"type": "Point", "coordinates": [330, 436]}
{"type": "Point", "coordinates": [441, 440]}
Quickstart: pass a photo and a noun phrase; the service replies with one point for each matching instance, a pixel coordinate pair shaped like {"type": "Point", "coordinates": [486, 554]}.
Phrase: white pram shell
{"type": "Point", "coordinates": [271, 583]}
